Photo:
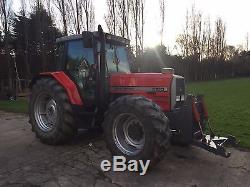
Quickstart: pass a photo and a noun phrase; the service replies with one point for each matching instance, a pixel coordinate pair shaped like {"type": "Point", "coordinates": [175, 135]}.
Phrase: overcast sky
{"type": "Point", "coordinates": [236, 14]}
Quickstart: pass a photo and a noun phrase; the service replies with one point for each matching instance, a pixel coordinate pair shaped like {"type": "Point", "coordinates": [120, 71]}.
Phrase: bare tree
{"type": "Point", "coordinates": [142, 11]}
{"type": "Point", "coordinates": [219, 39]}
{"type": "Point", "coordinates": [6, 13]}
{"type": "Point", "coordinates": [26, 37]}
{"type": "Point", "coordinates": [117, 18]}
{"type": "Point", "coordinates": [89, 12]}
{"type": "Point", "coordinates": [81, 16]}
{"type": "Point", "coordinates": [196, 33]}
{"type": "Point", "coordinates": [247, 41]}
{"type": "Point", "coordinates": [78, 16]}
{"type": "Point", "coordinates": [137, 10]}
{"type": "Point", "coordinates": [39, 33]}
{"type": "Point", "coordinates": [184, 38]}
{"type": "Point", "coordinates": [74, 16]}
{"type": "Point", "coordinates": [110, 18]}
{"type": "Point", "coordinates": [198, 40]}
{"type": "Point", "coordinates": [2, 20]}
{"type": "Point", "coordinates": [230, 52]}
{"type": "Point", "coordinates": [48, 6]}
{"type": "Point", "coordinates": [162, 14]}
{"type": "Point", "coordinates": [122, 20]}
{"type": "Point", "coordinates": [61, 5]}
{"type": "Point", "coordinates": [127, 17]}
{"type": "Point", "coordinates": [207, 34]}
{"type": "Point", "coordinates": [122, 8]}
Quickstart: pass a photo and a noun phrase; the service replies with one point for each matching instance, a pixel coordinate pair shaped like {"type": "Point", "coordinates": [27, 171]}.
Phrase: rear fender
{"type": "Point", "coordinates": [65, 82]}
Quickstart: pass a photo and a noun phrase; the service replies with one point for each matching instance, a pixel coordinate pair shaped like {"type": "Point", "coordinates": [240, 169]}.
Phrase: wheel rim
{"type": "Point", "coordinates": [45, 111]}
{"type": "Point", "coordinates": [128, 134]}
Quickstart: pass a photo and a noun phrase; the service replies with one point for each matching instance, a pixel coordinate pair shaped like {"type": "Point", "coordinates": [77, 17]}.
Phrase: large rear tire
{"type": "Point", "coordinates": [136, 128]}
{"type": "Point", "coordinates": [50, 112]}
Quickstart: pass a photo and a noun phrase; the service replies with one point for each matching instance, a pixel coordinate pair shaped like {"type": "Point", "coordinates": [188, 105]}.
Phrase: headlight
{"type": "Point", "coordinates": [177, 91]}
{"type": "Point", "coordinates": [180, 98]}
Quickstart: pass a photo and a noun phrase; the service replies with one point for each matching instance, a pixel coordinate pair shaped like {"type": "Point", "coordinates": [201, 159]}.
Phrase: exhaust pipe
{"type": "Point", "coordinates": [101, 83]}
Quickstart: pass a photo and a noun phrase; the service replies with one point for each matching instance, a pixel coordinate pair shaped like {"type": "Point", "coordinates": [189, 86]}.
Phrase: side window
{"type": "Point", "coordinates": [122, 55]}
{"type": "Point", "coordinates": [79, 61]}
{"type": "Point", "coordinates": [110, 57]}
{"type": "Point", "coordinates": [117, 59]}
{"type": "Point", "coordinates": [60, 56]}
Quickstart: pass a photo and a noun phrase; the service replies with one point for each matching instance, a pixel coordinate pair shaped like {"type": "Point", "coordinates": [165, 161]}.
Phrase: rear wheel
{"type": "Point", "coordinates": [136, 128]}
{"type": "Point", "coordinates": [51, 114]}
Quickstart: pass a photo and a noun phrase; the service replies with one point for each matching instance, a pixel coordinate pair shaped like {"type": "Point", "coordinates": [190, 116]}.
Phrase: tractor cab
{"type": "Point", "coordinates": [80, 57]}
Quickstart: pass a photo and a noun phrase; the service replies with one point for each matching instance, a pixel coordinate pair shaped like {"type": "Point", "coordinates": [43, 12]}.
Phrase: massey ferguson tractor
{"type": "Point", "coordinates": [140, 113]}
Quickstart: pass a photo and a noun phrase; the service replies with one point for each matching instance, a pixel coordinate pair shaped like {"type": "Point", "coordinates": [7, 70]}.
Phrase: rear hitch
{"type": "Point", "coordinates": [215, 144]}
{"type": "Point", "coordinates": [210, 142]}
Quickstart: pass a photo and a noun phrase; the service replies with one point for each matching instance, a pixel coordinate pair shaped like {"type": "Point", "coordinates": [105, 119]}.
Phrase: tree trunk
{"type": "Point", "coordinates": [136, 27]}
{"type": "Point", "coordinates": [87, 8]}
{"type": "Point", "coordinates": [114, 20]}
{"type": "Point", "coordinates": [142, 26]}
{"type": "Point", "coordinates": [7, 49]}
{"type": "Point", "coordinates": [77, 17]}
{"type": "Point", "coordinates": [123, 18]}
{"type": "Point", "coordinates": [65, 29]}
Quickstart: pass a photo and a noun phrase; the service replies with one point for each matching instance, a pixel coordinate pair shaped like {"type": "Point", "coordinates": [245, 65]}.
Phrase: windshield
{"type": "Point", "coordinates": [117, 59]}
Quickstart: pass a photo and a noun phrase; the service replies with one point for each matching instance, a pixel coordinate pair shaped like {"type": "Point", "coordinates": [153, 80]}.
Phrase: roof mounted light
{"type": "Point", "coordinates": [117, 39]}
{"type": "Point", "coordinates": [167, 70]}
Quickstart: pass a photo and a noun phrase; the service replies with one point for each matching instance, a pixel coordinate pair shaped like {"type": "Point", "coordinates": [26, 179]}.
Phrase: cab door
{"type": "Point", "coordinates": [81, 67]}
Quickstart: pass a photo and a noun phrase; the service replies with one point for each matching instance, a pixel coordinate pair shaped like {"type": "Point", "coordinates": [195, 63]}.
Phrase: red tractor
{"type": "Point", "coordinates": [140, 113]}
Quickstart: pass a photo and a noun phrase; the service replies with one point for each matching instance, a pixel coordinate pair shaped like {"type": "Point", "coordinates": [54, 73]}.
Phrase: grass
{"type": "Point", "coordinates": [18, 106]}
{"type": "Point", "coordinates": [228, 104]}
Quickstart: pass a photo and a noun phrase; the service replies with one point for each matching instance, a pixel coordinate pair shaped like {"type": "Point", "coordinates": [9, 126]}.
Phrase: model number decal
{"type": "Point", "coordinates": [139, 88]}
{"type": "Point", "coordinates": [160, 89]}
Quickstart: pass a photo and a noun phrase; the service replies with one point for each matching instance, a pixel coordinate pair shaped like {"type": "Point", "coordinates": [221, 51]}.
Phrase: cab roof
{"type": "Point", "coordinates": [109, 37]}
{"type": "Point", "coordinates": [68, 38]}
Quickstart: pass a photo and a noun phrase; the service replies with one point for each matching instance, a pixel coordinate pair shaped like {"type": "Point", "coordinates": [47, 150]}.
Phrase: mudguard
{"type": "Point", "coordinates": [66, 83]}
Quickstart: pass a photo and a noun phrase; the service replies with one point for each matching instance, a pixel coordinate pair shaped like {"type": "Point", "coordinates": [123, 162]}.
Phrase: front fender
{"type": "Point", "coordinates": [65, 82]}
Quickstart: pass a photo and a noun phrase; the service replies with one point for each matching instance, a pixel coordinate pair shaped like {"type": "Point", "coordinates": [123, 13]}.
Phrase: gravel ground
{"type": "Point", "coordinates": [25, 161]}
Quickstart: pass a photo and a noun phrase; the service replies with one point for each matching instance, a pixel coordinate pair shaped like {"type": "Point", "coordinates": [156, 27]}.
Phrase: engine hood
{"type": "Point", "coordinates": [140, 80]}
{"type": "Point", "coordinates": [154, 86]}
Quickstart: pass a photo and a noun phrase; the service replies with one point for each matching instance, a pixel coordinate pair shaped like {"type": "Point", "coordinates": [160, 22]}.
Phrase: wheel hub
{"type": "Point", "coordinates": [51, 112]}
{"type": "Point", "coordinates": [45, 112]}
{"type": "Point", "coordinates": [128, 134]}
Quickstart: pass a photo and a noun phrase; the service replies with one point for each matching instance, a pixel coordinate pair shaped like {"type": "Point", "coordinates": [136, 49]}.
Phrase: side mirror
{"type": "Point", "coordinates": [87, 39]}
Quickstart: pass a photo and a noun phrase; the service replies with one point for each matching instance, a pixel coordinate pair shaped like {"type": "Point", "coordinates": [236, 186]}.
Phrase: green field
{"type": "Point", "coordinates": [228, 104]}
{"type": "Point", "coordinates": [19, 106]}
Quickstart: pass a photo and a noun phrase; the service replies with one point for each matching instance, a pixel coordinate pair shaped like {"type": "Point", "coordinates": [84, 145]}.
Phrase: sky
{"type": "Point", "coordinates": [235, 14]}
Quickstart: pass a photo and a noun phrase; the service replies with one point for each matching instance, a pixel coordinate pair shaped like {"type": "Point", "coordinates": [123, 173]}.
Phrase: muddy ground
{"type": "Point", "coordinates": [25, 161]}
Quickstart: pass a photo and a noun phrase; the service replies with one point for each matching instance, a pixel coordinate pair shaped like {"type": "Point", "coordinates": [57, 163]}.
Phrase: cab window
{"type": "Point", "coordinates": [117, 59]}
{"type": "Point", "coordinates": [79, 61]}
{"type": "Point", "coordinates": [60, 56]}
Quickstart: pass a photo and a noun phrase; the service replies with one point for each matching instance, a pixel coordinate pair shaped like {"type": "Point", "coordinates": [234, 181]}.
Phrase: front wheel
{"type": "Point", "coordinates": [50, 112]}
{"type": "Point", "coordinates": [136, 128]}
